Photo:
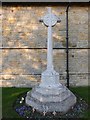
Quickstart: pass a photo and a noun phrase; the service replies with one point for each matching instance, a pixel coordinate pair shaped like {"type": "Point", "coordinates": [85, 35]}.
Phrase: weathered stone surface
{"type": "Point", "coordinates": [32, 80]}
{"type": "Point", "coordinates": [0, 61]}
{"type": "Point", "coordinates": [26, 61]}
{"type": "Point", "coordinates": [79, 79]}
{"type": "Point", "coordinates": [78, 61]}
{"type": "Point", "coordinates": [21, 28]}
{"type": "Point", "coordinates": [34, 62]}
{"type": "Point", "coordinates": [50, 100]}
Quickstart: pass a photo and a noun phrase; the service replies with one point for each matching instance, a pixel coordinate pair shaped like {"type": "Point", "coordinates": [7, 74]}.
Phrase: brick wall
{"type": "Point", "coordinates": [24, 42]}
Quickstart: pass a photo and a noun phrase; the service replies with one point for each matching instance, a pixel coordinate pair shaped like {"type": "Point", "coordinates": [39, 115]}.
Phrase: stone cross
{"type": "Point", "coordinates": [50, 20]}
{"type": "Point", "coordinates": [50, 95]}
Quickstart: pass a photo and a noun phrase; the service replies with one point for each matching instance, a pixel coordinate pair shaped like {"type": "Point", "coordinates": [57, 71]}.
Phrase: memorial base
{"type": "Point", "coordinates": [50, 95]}
{"type": "Point", "coordinates": [51, 99]}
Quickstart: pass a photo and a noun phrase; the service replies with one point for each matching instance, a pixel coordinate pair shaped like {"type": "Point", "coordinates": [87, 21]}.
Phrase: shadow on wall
{"type": "Point", "coordinates": [21, 30]}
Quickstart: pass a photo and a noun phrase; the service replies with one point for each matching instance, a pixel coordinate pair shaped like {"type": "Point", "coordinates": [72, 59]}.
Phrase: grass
{"type": "Point", "coordinates": [85, 94]}
{"type": "Point", "coordinates": [9, 95]}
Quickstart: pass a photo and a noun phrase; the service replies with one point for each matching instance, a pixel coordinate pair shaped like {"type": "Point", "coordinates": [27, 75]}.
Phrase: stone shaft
{"type": "Point", "coordinates": [49, 44]}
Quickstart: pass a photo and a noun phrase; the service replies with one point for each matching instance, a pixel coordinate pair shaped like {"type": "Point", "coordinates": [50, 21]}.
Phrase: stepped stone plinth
{"type": "Point", "coordinates": [58, 99]}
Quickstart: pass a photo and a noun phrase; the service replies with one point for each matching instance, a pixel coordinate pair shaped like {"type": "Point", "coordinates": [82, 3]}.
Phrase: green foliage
{"type": "Point", "coordinates": [85, 94]}
{"type": "Point", "coordinates": [9, 95]}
